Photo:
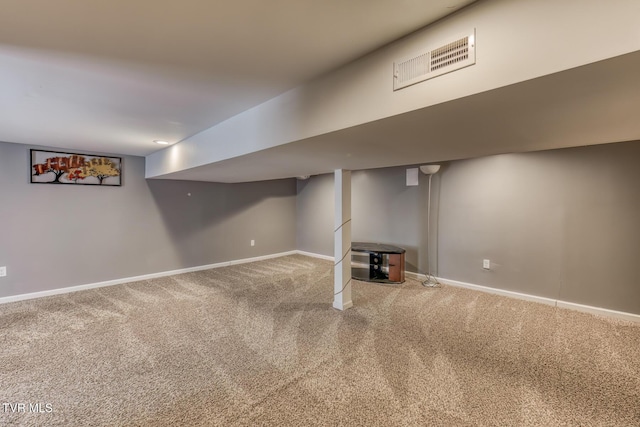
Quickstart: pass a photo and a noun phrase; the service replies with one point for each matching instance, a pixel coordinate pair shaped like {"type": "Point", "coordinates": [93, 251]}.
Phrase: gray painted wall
{"type": "Point", "coordinates": [384, 210]}
{"type": "Point", "coordinates": [563, 224]}
{"type": "Point", "coordinates": [54, 236]}
{"type": "Point", "coordinates": [314, 206]}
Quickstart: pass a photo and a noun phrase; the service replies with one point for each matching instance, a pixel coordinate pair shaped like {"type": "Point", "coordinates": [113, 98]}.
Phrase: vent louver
{"type": "Point", "coordinates": [428, 64]}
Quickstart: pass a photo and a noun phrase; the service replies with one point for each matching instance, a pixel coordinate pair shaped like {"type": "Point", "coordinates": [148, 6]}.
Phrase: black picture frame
{"type": "Point", "coordinates": [60, 167]}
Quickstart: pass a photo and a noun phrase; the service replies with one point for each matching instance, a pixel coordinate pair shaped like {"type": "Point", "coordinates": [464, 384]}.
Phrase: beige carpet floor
{"type": "Point", "coordinates": [260, 344]}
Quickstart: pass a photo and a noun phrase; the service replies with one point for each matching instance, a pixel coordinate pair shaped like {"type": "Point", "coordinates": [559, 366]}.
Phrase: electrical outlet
{"type": "Point", "coordinates": [486, 264]}
{"type": "Point", "coordinates": [3, 271]}
{"type": "Point", "coordinates": [253, 242]}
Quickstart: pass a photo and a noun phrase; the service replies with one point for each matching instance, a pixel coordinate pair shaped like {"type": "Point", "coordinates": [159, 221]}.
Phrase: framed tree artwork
{"type": "Point", "coordinates": [52, 167]}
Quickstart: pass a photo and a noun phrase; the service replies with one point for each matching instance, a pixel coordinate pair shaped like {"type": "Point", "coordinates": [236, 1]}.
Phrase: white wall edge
{"type": "Point", "coordinates": [598, 311]}
{"type": "Point", "coordinates": [314, 255]}
{"type": "Point", "coordinates": [59, 291]}
{"type": "Point", "coordinates": [254, 259]}
{"type": "Point", "coordinates": [511, 294]}
{"type": "Point", "coordinates": [605, 312]}
{"type": "Point", "coordinates": [416, 276]}
{"type": "Point", "coordinates": [548, 301]}
{"type": "Point", "coordinates": [502, 292]}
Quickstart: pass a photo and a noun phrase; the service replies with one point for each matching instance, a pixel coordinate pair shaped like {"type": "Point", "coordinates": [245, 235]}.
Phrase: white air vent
{"type": "Point", "coordinates": [451, 56]}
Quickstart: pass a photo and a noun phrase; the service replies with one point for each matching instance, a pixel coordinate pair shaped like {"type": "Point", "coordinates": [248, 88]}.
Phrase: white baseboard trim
{"type": "Point", "coordinates": [314, 255]}
{"type": "Point", "coordinates": [41, 294]}
{"type": "Point", "coordinates": [254, 259]}
{"type": "Point", "coordinates": [605, 312]}
{"type": "Point", "coordinates": [347, 305]}
{"type": "Point", "coordinates": [511, 294]}
{"type": "Point", "coordinates": [553, 302]}
{"type": "Point", "coordinates": [416, 276]}
{"type": "Point", "coordinates": [598, 311]}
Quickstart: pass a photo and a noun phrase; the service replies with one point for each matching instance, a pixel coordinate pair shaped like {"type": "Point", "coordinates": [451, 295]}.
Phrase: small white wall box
{"type": "Point", "coordinates": [412, 177]}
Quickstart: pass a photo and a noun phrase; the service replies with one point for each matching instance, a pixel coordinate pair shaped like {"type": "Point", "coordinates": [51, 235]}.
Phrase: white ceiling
{"type": "Point", "coordinates": [114, 75]}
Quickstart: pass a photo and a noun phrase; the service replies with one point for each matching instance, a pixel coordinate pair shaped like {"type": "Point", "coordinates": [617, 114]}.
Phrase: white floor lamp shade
{"type": "Point", "coordinates": [429, 169]}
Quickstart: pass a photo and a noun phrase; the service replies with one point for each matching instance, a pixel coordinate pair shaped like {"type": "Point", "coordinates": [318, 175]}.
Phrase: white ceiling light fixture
{"type": "Point", "coordinates": [158, 141]}
{"type": "Point", "coordinates": [430, 279]}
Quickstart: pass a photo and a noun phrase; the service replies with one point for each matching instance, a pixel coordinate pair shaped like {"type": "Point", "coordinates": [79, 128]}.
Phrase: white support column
{"type": "Point", "coordinates": [342, 241]}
